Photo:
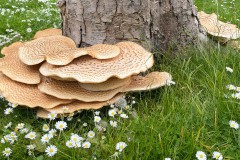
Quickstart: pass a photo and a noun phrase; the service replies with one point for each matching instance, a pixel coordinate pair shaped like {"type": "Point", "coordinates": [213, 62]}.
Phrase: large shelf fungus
{"type": "Point", "coordinates": [220, 31]}
{"type": "Point", "coordinates": [51, 73]}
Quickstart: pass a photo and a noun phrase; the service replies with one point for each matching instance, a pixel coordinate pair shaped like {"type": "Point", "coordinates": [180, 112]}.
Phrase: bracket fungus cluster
{"type": "Point", "coordinates": [50, 73]}
{"type": "Point", "coordinates": [224, 33]}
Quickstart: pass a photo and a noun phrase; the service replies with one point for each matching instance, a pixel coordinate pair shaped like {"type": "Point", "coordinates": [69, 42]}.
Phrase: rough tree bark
{"type": "Point", "coordinates": [152, 23]}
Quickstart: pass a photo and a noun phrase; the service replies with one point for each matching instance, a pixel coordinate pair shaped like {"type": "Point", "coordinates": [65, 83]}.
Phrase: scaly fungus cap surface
{"type": "Point", "coordinates": [218, 28]}
{"type": "Point", "coordinates": [25, 94]}
{"type": "Point", "coordinates": [73, 91]}
{"type": "Point", "coordinates": [49, 48]}
{"type": "Point", "coordinates": [12, 66]}
{"type": "Point", "coordinates": [132, 60]}
{"type": "Point", "coordinates": [48, 32]}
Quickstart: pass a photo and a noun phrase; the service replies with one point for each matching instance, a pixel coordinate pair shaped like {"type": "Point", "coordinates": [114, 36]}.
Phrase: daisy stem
{"type": "Point", "coordinates": [59, 135]}
{"type": "Point", "coordinates": [65, 154]}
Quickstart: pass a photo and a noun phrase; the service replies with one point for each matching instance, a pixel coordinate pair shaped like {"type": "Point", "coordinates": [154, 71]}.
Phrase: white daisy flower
{"type": "Point", "coordinates": [167, 159]}
{"type": "Point", "coordinates": [52, 116]}
{"type": "Point", "coordinates": [217, 155]}
{"type": "Point", "coordinates": [7, 152]}
{"type": "Point", "coordinates": [113, 123]}
{"type": "Point", "coordinates": [45, 139]}
{"type": "Point", "coordinates": [13, 105]}
{"type": "Point", "coordinates": [238, 89]}
{"type": "Point", "coordinates": [170, 82]}
{"type": "Point", "coordinates": [201, 155]}
{"type": "Point", "coordinates": [69, 118]}
{"type": "Point", "coordinates": [8, 111]}
{"type": "Point", "coordinates": [76, 138]}
{"type": "Point", "coordinates": [120, 146]}
{"type": "Point", "coordinates": [31, 135]}
{"type": "Point", "coordinates": [236, 95]}
{"type": "Point", "coordinates": [29, 30]}
{"type": "Point", "coordinates": [84, 124]}
{"type": "Point", "coordinates": [112, 112]}
{"type": "Point", "coordinates": [91, 134]}
{"type": "Point", "coordinates": [20, 126]}
{"type": "Point", "coordinates": [78, 144]}
{"type": "Point", "coordinates": [24, 130]}
{"type": "Point", "coordinates": [30, 152]}
{"type": "Point", "coordinates": [123, 115]}
{"type": "Point", "coordinates": [70, 144]}
{"type": "Point", "coordinates": [51, 150]}
{"type": "Point", "coordinates": [233, 124]}
{"type": "Point", "coordinates": [61, 125]}
{"type": "Point", "coordinates": [52, 133]}
{"type": "Point", "coordinates": [86, 144]}
{"type": "Point", "coordinates": [31, 147]}
{"type": "Point", "coordinates": [229, 69]}
{"type": "Point", "coordinates": [97, 113]}
{"type": "Point", "coordinates": [45, 128]}
{"type": "Point", "coordinates": [3, 141]}
{"type": "Point", "coordinates": [8, 125]}
{"type": "Point", "coordinates": [97, 119]}
{"type": "Point", "coordinates": [231, 87]}
{"type": "Point", "coordinates": [13, 135]}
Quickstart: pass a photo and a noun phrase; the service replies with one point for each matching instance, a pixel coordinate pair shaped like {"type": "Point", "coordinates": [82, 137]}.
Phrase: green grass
{"type": "Point", "coordinates": [173, 121]}
{"type": "Point", "coordinates": [227, 10]}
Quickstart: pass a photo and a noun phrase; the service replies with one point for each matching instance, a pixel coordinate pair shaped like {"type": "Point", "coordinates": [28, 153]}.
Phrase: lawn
{"type": "Point", "coordinates": [173, 122]}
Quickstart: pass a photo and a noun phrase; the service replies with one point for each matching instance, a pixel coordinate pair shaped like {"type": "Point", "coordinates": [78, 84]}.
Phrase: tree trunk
{"type": "Point", "coordinates": [152, 23]}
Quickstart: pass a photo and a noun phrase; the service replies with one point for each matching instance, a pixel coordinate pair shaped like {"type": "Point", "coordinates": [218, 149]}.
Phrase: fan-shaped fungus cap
{"type": "Point", "coordinates": [48, 32]}
{"type": "Point", "coordinates": [25, 94]}
{"type": "Point", "coordinates": [72, 90]}
{"type": "Point", "coordinates": [12, 66]}
{"type": "Point", "coordinates": [110, 84]}
{"type": "Point", "coordinates": [218, 28]}
{"type": "Point", "coordinates": [76, 106]}
{"type": "Point", "coordinates": [98, 51]}
{"type": "Point", "coordinates": [61, 50]}
{"type": "Point", "coordinates": [151, 81]}
{"type": "Point", "coordinates": [102, 51]}
{"type": "Point", "coordinates": [46, 48]}
{"type": "Point", "coordinates": [132, 60]}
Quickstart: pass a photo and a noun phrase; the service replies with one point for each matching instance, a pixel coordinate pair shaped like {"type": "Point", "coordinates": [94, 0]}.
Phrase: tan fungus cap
{"type": "Point", "coordinates": [25, 94]}
{"type": "Point", "coordinates": [151, 81]}
{"type": "Point", "coordinates": [102, 51]}
{"type": "Point", "coordinates": [218, 28]}
{"type": "Point", "coordinates": [12, 66]}
{"type": "Point", "coordinates": [48, 32]}
{"type": "Point", "coordinates": [73, 91]}
{"type": "Point", "coordinates": [76, 106]}
{"type": "Point", "coordinates": [132, 60]}
{"type": "Point", "coordinates": [110, 84]}
{"type": "Point", "coordinates": [61, 50]}
{"type": "Point", "coordinates": [50, 48]}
